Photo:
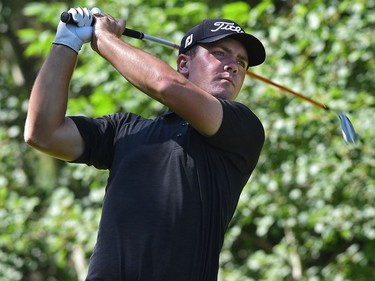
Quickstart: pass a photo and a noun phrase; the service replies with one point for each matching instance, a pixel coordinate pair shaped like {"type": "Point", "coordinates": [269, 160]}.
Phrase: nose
{"type": "Point", "coordinates": [231, 67]}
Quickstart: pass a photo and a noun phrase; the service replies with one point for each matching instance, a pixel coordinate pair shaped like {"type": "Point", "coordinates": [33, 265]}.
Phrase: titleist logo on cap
{"type": "Point", "coordinates": [227, 26]}
{"type": "Point", "coordinates": [212, 30]}
{"type": "Point", "coordinates": [220, 26]}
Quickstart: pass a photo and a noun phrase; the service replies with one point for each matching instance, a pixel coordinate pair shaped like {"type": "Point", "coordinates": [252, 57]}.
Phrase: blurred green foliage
{"type": "Point", "coordinates": [307, 212]}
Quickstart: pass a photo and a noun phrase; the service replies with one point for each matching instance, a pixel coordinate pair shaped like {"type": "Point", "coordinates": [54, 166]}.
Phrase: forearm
{"type": "Point", "coordinates": [156, 78]}
{"type": "Point", "coordinates": [164, 84]}
{"type": "Point", "coordinates": [144, 71]}
{"type": "Point", "coordinates": [49, 96]}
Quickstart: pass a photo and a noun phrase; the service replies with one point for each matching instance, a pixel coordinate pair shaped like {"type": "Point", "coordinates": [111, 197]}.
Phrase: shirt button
{"type": "Point", "coordinates": [179, 135]}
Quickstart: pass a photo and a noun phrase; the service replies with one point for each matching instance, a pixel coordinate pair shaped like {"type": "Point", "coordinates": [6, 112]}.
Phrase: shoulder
{"type": "Point", "coordinates": [106, 121]}
{"type": "Point", "coordinates": [238, 118]}
{"type": "Point", "coordinates": [241, 135]}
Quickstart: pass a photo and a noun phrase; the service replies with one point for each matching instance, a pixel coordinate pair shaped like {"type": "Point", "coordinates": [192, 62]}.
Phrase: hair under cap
{"type": "Point", "coordinates": [212, 30]}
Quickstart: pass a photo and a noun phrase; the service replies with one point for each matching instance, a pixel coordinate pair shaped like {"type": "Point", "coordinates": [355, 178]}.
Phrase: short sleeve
{"type": "Point", "coordinates": [241, 135]}
{"type": "Point", "coordinates": [99, 135]}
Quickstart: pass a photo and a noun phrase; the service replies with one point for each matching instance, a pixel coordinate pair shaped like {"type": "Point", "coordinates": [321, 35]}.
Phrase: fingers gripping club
{"type": "Point", "coordinates": [67, 17]}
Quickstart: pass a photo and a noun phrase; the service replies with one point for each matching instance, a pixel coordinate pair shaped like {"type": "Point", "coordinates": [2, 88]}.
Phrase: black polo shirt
{"type": "Point", "coordinates": [171, 192]}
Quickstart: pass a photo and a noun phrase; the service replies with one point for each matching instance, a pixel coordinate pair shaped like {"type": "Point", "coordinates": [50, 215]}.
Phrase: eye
{"type": "Point", "coordinates": [218, 53]}
{"type": "Point", "coordinates": [242, 63]}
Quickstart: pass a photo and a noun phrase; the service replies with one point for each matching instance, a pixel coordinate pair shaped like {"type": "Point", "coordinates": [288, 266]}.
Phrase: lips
{"type": "Point", "coordinates": [229, 79]}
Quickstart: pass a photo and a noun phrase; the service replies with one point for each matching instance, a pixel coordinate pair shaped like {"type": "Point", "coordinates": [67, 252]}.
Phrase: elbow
{"type": "Point", "coordinates": [30, 138]}
{"type": "Point", "coordinates": [36, 143]}
{"type": "Point", "coordinates": [167, 87]}
{"type": "Point", "coordinates": [33, 139]}
{"type": "Point", "coordinates": [28, 135]}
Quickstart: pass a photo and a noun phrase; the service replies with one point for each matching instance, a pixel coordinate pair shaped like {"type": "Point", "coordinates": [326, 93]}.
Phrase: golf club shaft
{"type": "Point", "coordinates": [268, 81]}
{"type": "Point", "coordinates": [348, 131]}
{"type": "Point", "coordinates": [139, 35]}
{"type": "Point", "coordinates": [67, 18]}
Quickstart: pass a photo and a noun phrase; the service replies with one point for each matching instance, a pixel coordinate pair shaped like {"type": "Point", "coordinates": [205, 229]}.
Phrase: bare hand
{"type": "Point", "coordinates": [106, 26]}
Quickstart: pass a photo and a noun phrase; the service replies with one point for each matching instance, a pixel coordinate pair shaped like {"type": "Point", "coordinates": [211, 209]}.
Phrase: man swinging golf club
{"type": "Point", "coordinates": [174, 181]}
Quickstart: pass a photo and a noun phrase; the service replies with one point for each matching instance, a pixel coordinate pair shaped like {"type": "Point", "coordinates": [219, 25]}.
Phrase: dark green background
{"type": "Point", "coordinates": [308, 211]}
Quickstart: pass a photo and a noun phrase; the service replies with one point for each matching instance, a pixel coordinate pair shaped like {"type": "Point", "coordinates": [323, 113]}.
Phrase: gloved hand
{"type": "Point", "coordinates": [74, 35]}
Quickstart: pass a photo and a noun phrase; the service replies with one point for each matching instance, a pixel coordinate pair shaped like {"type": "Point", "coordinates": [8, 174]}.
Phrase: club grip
{"type": "Point", "coordinates": [67, 18]}
{"type": "Point", "coordinates": [133, 33]}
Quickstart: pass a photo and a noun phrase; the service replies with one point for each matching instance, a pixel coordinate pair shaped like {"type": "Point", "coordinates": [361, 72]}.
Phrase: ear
{"type": "Point", "coordinates": [183, 64]}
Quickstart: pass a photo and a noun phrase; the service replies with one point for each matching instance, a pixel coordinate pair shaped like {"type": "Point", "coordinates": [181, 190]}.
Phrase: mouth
{"type": "Point", "coordinates": [228, 79]}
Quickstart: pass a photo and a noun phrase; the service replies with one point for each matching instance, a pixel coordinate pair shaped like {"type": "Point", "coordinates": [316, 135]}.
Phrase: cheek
{"type": "Point", "coordinates": [199, 78]}
{"type": "Point", "coordinates": [206, 63]}
{"type": "Point", "coordinates": [199, 72]}
{"type": "Point", "coordinates": [241, 81]}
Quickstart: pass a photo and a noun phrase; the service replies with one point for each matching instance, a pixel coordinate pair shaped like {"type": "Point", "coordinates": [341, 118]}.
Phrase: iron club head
{"type": "Point", "coordinates": [347, 129]}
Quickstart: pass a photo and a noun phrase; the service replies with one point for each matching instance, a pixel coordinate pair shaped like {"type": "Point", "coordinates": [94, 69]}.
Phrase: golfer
{"type": "Point", "coordinates": [175, 180]}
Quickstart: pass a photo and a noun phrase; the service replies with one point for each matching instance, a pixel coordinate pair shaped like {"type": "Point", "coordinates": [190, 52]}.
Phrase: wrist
{"type": "Point", "coordinates": [56, 44]}
{"type": "Point", "coordinates": [104, 41]}
{"type": "Point", "coordinates": [64, 50]}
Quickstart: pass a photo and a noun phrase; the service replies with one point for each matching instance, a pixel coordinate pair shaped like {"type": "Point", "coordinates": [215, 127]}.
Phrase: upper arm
{"type": "Point", "coordinates": [203, 111]}
{"type": "Point", "coordinates": [65, 143]}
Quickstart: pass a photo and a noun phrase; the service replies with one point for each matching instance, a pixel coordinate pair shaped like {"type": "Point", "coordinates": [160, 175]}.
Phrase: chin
{"type": "Point", "coordinates": [224, 95]}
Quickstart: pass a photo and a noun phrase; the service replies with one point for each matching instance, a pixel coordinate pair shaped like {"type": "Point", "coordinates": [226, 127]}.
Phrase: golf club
{"type": "Point", "coordinates": [347, 128]}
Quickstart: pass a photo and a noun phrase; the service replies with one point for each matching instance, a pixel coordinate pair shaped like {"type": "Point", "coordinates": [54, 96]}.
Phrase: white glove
{"type": "Point", "coordinates": [74, 35]}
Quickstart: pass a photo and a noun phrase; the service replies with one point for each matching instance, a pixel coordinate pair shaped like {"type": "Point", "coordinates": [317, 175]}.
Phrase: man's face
{"type": "Point", "coordinates": [219, 68]}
